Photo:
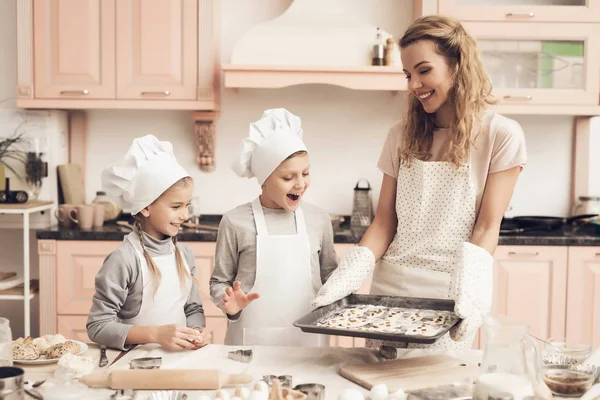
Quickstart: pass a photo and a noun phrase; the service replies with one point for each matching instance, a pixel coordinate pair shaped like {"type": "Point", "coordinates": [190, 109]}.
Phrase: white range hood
{"type": "Point", "coordinates": [309, 32]}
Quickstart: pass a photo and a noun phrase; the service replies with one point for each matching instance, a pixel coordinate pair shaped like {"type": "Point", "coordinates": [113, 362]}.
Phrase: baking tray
{"type": "Point", "coordinates": [308, 323]}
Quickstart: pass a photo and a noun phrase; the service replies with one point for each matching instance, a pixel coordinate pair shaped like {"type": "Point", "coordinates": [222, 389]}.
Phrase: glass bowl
{"type": "Point", "coordinates": [576, 351]}
{"type": "Point", "coordinates": [569, 380]}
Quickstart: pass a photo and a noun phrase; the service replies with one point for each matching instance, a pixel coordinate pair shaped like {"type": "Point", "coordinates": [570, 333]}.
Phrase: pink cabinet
{"type": "Point", "coordinates": [74, 49]}
{"type": "Point", "coordinates": [157, 47]}
{"type": "Point", "coordinates": [522, 11]}
{"type": "Point", "coordinates": [583, 298]}
{"type": "Point", "coordinates": [530, 286]}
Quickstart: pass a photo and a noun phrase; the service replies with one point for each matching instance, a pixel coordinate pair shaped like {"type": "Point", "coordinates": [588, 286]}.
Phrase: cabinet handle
{"type": "Point", "coordinates": [597, 254]}
{"type": "Point", "coordinates": [509, 97]}
{"type": "Point", "coordinates": [521, 14]}
{"type": "Point", "coordinates": [158, 93]}
{"type": "Point", "coordinates": [524, 253]}
{"type": "Point", "coordinates": [84, 91]}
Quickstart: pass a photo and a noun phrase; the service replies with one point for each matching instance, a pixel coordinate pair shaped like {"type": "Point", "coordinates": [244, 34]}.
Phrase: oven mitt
{"type": "Point", "coordinates": [347, 278]}
{"type": "Point", "coordinates": [473, 290]}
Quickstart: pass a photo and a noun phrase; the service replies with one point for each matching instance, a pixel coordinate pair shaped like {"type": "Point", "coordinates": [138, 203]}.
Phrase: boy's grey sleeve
{"type": "Point", "coordinates": [226, 263]}
{"type": "Point", "coordinates": [112, 287]}
{"type": "Point", "coordinates": [328, 258]}
{"type": "Point", "coordinates": [193, 307]}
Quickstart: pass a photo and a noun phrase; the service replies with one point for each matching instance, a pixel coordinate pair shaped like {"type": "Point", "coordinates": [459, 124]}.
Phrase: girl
{"type": "Point", "coordinates": [278, 246]}
{"type": "Point", "coordinates": [145, 290]}
{"type": "Point", "coordinates": [450, 169]}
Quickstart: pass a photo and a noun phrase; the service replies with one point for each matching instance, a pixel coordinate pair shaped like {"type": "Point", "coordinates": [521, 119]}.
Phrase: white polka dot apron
{"type": "Point", "coordinates": [435, 205]}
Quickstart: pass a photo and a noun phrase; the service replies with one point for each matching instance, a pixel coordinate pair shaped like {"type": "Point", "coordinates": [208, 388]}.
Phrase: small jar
{"type": "Point", "coordinates": [392, 53]}
{"type": "Point", "coordinates": [500, 396]}
{"type": "Point", "coordinates": [111, 209]}
{"type": "Point", "coordinates": [586, 205]}
{"type": "Point", "coordinates": [6, 359]}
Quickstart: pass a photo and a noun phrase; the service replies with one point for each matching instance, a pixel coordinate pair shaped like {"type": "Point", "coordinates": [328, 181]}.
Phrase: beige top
{"type": "Point", "coordinates": [499, 145]}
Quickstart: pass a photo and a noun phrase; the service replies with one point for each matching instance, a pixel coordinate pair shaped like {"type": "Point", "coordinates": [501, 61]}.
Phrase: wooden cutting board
{"type": "Point", "coordinates": [70, 181]}
{"type": "Point", "coordinates": [410, 373]}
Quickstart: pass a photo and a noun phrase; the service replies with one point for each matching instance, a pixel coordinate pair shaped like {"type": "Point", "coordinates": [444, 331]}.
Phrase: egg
{"type": "Point", "coordinates": [379, 392]}
{"type": "Point", "coordinates": [258, 395]}
{"type": "Point", "coordinates": [236, 398]}
{"type": "Point", "coordinates": [41, 344]}
{"type": "Point", "coordinates": [222, 394]}
{"type": "Point", "coordinates": [350, 394]}
{"type": "Point", "coordinates": [57, 339]}
{"type": "Point", "coordinates": [204, 397]}
{"type": "Point", "coordinates": [398, 395]}
{"type": "Point", "coordinates": [261, 386]}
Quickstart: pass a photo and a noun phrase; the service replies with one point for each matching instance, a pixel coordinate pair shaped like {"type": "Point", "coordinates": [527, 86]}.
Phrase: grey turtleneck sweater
{"type": "Point", "coordinates": [119, 292]}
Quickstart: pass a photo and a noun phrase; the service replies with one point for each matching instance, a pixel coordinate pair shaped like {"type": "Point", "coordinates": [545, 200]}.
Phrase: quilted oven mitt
{"type": "Point", "coordinates": [472, 291]}
{"type": "Point", "coordinates": [347, 278]}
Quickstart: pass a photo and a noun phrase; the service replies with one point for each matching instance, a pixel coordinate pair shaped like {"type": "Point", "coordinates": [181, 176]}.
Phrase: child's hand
{"type": "Point", "coordinates": [235, 300]}
{"type": "Point", "coordinates": [175, 337]}
{"type": "Point", "coordinates": [202, 338]}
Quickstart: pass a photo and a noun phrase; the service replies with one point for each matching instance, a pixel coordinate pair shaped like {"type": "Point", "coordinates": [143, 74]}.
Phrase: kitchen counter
{"type": "Point", "coordinates": [306, 365]}
{"type": "Point", "coordinates": [582, 236]}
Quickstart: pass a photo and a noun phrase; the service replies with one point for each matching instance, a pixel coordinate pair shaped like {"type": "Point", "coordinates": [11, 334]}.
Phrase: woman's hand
{"type": "Point", "coordinates": [235, 300]}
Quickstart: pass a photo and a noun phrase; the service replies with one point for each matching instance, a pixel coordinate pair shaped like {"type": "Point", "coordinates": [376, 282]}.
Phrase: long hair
{"type": "Point", "coordinates": [155, 274]}
{"type": "Point", "coordinates": [470, 92]}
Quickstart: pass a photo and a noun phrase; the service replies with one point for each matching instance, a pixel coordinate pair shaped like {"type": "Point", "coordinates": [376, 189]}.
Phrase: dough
{"type": "Point", "coordinates": [60, 349]}
{"type": "Point", "coordinates": [23, 351]}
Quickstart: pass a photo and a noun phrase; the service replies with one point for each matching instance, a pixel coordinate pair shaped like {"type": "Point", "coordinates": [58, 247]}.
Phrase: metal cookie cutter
{"type": "Point", "coordinates": [313, 391]}
{"type": "Point", "coordinates": [285, 380]}
{"type": "Point", "coordinates": [146, 363]}
{"type": "Point", "coordinates": [244, 356]}
{"type": "Point", "coordinates": [123, 394]}
{"type": "Point", "coordinates": [388, 352]}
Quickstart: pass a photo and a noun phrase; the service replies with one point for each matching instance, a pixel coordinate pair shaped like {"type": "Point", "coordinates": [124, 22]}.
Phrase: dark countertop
{"type": "Point", "coordinates": [586, 235]}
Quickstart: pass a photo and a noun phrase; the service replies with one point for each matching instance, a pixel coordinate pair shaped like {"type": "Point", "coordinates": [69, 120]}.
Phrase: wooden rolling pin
{"type": "Point", "coordinates": [174, 379]}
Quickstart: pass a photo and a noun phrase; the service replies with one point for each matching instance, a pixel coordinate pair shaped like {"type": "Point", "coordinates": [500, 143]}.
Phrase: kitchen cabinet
{"type": "Point", "coordinates": [126, 54]}
{"type": "Point", "coordinates": [67, 275]}
{"type": "Point", "coordinates": [74, 48]}
{"type": "Point", "coordinates": [156, 49]}
{"type": "Point", "coordinates": [549, 64]}
{"type": "Point", "coordinates": [583, 295]}
{"type": "Point", "coordinates": [522, 10]}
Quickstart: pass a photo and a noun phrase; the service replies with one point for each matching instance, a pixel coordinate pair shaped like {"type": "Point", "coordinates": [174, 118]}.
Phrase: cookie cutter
{"type": "Point", "coordinates": [146, 363]}
{"type": "Point", "coordinates": [244, 356]}
{"type": "Point", "coordinates": [313, 391]}
{"type": "Point", "coordinates": [285, 380]}
{"type": "Point", "coordinates": [123, 394]}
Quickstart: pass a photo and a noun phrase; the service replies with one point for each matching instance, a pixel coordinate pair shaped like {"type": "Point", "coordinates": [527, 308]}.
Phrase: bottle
{"type": "Point", "coordinates": [6, 359]}
{"type": "Point", "coordinates": [111, 210]}
{"type": "Point", "coordinates": [378, 50]}
{"type": "Point", "coordinates": [392, 53]}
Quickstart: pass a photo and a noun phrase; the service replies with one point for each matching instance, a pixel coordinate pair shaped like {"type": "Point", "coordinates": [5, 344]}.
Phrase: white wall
{"type": "Point", "coordinates": [344, 130]}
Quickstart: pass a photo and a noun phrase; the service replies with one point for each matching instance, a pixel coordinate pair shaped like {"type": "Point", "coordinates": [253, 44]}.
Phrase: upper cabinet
{"type": "Point", "coordinates": [549, 64]}
{"type": "Point", "coordinates": [160, 54]}
{"type": "Point", "coordinates": [74, 47]}
{"type": "Point", "coordinates": [157, 49]}
{"type": "Point", "coordinates": [522, 10]}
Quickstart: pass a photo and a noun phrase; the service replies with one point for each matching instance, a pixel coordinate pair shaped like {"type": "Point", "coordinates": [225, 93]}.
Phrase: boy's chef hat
{"type": "Point", "coordinates": [147, 170]}
{"type": "Point", "coordinates": [272, 139]}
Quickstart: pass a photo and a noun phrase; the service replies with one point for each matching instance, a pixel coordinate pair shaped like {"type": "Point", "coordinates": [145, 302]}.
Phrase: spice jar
{"type": "Point", "coordinates": [392, 53]}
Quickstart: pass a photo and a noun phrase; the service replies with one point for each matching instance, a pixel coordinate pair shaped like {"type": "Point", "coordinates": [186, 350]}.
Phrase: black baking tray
{"type": "Point", "coordinates": [308, 323]}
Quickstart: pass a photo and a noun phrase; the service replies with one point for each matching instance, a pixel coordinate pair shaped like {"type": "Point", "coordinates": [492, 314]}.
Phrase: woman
{"type": "Point", "coordinates": [450, 168]}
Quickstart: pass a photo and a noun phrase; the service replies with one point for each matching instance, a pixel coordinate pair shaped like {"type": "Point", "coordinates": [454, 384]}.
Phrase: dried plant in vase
{"type": "Point", "coordinates": [35, 170]}
{"type": "Point", "coordinates": [9, 152]}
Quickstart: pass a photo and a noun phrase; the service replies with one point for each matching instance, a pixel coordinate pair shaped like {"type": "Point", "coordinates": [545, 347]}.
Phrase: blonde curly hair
{"type": "Point", "coordinates": [469, 95]}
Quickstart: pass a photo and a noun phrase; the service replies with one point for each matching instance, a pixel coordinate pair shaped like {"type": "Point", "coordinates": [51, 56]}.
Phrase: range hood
{"type": "Point", "coordinates": [313, 41]}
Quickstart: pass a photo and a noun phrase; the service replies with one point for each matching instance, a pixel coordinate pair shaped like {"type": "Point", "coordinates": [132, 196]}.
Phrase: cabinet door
{"type": "Point", "coordinates": [73, 327]}
{"type": "Point", "coordinates": [74, 48]}
{"type": "Point", "coordinates": [157, 49]}
{"type": "Point", "coordinates": [531, 287]}
{"type": "Point", "coordinates": [583, 296]}
{"type": "Point", "coordinates": [522, 10]}
{"type": "Point", "coordinates": [205, 262]}
{"type": "Point", "coordinates": [551, 64]}
{"type": "Point", "coordinates": [77, 263]}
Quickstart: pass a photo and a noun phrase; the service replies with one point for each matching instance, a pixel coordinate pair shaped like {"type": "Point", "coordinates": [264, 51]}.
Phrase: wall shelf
{"type": "Point", "coordinates": [279, 76]}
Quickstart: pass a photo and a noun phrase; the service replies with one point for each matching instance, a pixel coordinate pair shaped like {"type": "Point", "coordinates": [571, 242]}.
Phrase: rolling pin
{"type": "Point", "coordinates": [174, 379]}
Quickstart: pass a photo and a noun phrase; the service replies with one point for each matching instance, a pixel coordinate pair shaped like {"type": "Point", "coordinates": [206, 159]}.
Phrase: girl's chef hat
{"type": "Point", "coordinates": [272, 139]}
{"type": "Point", "coordinates": [148, 169]}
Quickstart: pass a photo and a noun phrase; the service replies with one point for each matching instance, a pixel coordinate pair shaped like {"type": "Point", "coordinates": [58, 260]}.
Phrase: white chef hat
{"type": "Point", "coordinates": [272, 139]}
{"type": "Point", "coordinates": [147, 170]}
